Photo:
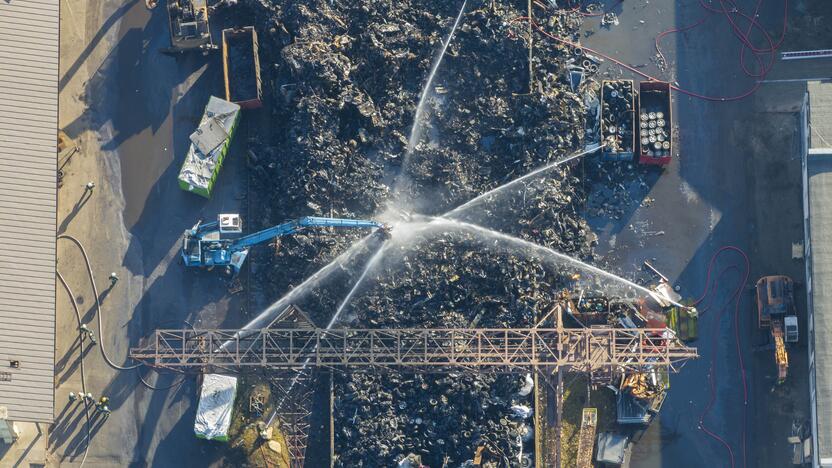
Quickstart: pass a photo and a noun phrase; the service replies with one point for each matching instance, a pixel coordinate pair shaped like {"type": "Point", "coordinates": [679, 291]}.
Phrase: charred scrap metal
{"type": "Point", "coordinates": [343, 80]}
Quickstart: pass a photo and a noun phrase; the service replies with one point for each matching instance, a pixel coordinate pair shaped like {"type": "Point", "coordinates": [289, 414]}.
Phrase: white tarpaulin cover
{"type": "Point", "coordinates": [206, 142]}
{"type": "Point", "coordinates": [216, 402]}
{"type": "Point", "coordinates": [209, 135]}
{"type": "Point", "coordinates": [664, 294]}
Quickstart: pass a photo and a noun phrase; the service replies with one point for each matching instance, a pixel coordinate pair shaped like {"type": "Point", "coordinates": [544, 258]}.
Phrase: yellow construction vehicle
{"type": "Point", "coordinates": [776, 311]}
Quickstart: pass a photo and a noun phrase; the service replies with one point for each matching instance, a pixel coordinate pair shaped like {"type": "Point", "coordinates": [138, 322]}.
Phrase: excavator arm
{"type": "Point", "coordinates": [294, 226]}
{"type": "Point", "coordinates": [213, 244]}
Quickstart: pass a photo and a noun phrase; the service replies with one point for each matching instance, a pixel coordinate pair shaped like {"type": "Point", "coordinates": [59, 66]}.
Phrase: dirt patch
{"type": "Point", "coordinates": [248, 448]}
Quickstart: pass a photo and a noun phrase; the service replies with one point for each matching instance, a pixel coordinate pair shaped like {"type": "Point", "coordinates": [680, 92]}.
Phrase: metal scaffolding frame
{"type": "Point", "coordinates": [293, 393]}
{"type": "Point", "coordinates": [292, 347]}
{"type": "Point", "coordinates": [501, 350]}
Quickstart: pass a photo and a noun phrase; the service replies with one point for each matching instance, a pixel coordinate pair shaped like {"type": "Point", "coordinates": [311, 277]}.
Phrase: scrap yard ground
{"type": "Point", "coordinates": [736, 183]}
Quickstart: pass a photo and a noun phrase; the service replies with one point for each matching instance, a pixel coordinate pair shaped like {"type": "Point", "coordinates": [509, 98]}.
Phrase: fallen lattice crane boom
{"type": "Point", "coordinates": [504, 350]}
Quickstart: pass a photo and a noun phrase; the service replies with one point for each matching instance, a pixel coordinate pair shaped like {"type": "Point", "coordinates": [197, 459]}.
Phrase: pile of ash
{"type": "Point", "coordinates": [442, 280]}
{"type": "Point", "coordinates": [442, 419]}
{"type": "Point", "coordinates": [341, 84]}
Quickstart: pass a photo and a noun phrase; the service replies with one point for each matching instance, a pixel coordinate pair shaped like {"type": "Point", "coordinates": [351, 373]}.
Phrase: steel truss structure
{"type": "Point", "coordinates": [292, 347]}
{"type": "Point", "coordinates": [417, 350]}
{"type": "Point", "coordinates": [293, 393]}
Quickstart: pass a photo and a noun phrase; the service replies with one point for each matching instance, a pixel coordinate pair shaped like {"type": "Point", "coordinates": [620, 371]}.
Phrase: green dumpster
{"type": "Point", "coordinates": [209, 146]}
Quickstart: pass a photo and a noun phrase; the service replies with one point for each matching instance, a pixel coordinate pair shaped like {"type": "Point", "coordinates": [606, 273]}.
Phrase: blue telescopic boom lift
{"type": "Point", "coordinates": [219, 243]}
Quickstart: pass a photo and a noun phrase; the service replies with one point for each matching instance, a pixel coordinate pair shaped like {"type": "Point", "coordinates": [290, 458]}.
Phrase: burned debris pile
{"type": "Point", "coordinates": [441, 419]}
{"type": "Point", "coordinates": [447, 280]}
{"type": "Point", "coordinates": [343, 79]}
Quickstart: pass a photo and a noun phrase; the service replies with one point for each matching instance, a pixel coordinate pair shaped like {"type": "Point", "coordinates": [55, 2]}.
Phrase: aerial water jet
{"type": "Point", "coordinates": [370, 264]}
{"type": "Point", "coordinates": [418, 123]}
{"type": "Point", "coordinates": [480, 198]}
{"type": "Point", "coordinates": [545, 251]}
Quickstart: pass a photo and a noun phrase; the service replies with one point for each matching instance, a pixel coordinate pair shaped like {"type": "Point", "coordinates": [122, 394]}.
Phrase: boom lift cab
{"type": "Point", "coordinates": [776, 311]}
{"type": "Point", "coordinates": [206, 245]}
{"type": "Point", "coordinates": [220, 243]}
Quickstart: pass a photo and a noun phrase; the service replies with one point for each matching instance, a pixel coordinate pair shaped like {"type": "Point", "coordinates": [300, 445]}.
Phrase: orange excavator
{"type": "Point", "coordinates": [776, 311]}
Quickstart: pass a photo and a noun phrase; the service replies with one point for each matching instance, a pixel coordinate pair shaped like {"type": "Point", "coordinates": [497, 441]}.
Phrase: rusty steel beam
{"type": "Point", "coordinates": [292, 392]}
{"type": "Point", "coordinates": [501, 350]}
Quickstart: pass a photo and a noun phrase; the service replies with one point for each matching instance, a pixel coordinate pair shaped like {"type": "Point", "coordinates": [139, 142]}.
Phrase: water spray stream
{"type": "Point", "coordinates": [435, 223]}
{"type": "Point", "coordinates": [511, 183]}
{"type": "Point", "coordinates": [445, 219]}
{"type": "Point", "coordinates": [372, 263]}
{"type": "Point", "coordinates": [263, 319]}
{"type": "Point", "coordinates": [496, 235]}
{"type": "Point", "coordinates": [416, 129]}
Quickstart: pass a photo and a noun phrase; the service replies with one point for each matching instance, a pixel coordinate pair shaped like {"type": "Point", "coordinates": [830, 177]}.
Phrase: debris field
{"type": "Point", "coordinates": [344, 79]}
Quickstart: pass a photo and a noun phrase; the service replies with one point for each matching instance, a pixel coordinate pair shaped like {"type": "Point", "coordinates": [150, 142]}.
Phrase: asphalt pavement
{"type": "Point", "coordinates": [735, 183]}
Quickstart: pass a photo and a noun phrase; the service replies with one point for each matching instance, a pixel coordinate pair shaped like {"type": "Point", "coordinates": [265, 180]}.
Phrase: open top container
{"type": "Point", "coordinates": [241, 67]}
{"type": "Point", "coordinates": [655, 111]}
{"type": "Point", "coordinates": [209, 146]}
{"type": "Point", "coordinates": [618, 104]}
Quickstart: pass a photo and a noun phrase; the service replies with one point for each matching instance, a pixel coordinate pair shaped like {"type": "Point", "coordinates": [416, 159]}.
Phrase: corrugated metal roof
{"type": "Point", "coordinates": [819, 168]}
{"type": "Point", "coordinates": [820, 209]}
{"type": "Point", "coordinates": [820, 114]}
{"type": "Point", "coordinates": [28, 168]}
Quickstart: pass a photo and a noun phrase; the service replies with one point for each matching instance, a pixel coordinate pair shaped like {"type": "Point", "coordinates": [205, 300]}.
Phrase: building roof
{"type": "Point", "coordinates": [28, 183]}
{"type": "Point", "coordinates": [819, 181]}
{"type": "Point", "coordinates": [820, 114]}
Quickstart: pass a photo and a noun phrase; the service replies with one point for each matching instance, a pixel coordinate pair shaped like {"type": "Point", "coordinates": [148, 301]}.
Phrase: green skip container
{"type": "Point", "coordinates": [209, 146]}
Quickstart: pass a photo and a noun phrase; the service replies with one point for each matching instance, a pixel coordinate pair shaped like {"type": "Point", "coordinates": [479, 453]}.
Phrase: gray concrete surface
{"type": "Point", "coordinates": [30, 447]}
{"type": "Point", "coordinates": [736, 183]}
{"type": "Point", "coordinates": [131, 110]}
